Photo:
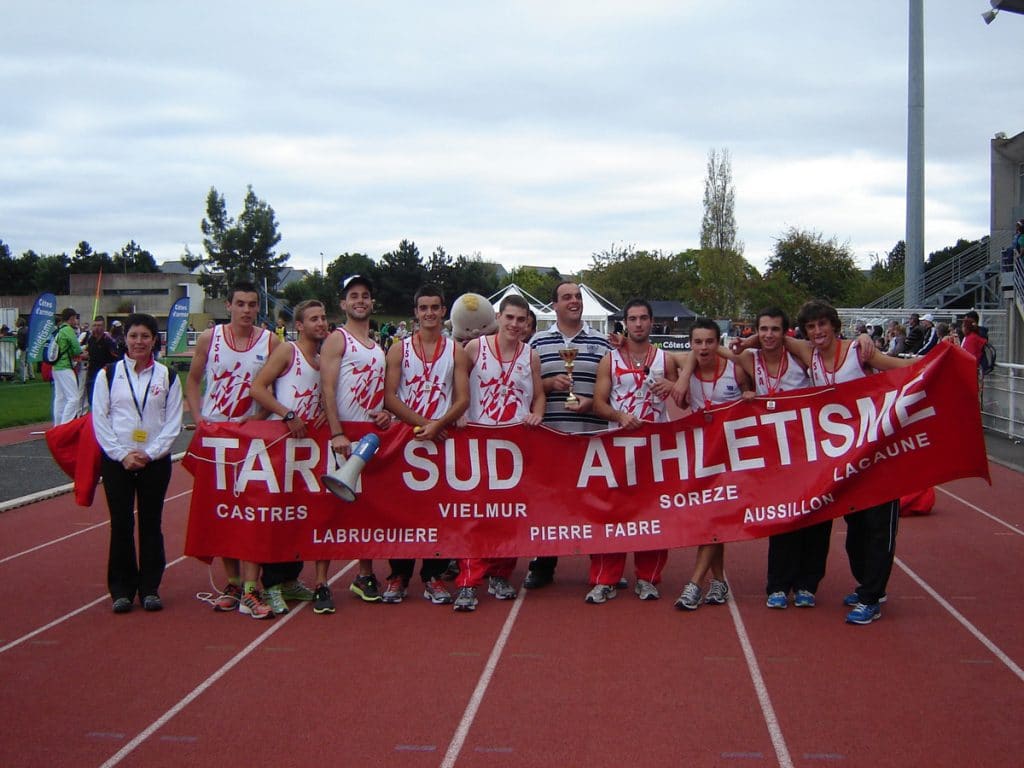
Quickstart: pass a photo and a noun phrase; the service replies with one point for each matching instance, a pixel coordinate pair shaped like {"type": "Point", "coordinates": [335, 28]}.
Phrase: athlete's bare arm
{"type": "Point", "coordinates": [196, 371]}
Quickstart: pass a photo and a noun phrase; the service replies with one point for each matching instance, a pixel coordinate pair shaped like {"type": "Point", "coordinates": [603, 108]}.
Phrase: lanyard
{"type": "Point", "coordinates": [145, 398]}
{"type": "Point", "coordinates": [714, 382]}
{"type": "Point", "coordinates": [506, 374]}
{"type": "Point", "coordinates": [770, 385]}
{"type": "Point", "coordinates": [644, 369]}
{"type": "Point", "coordinates": [428, 370]}
{"type": "Point", "coordinates": [835, 364]}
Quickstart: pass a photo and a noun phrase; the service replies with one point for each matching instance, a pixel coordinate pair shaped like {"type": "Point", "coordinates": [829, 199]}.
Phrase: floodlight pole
{"type": "Point", "coordinates": [913, 265]}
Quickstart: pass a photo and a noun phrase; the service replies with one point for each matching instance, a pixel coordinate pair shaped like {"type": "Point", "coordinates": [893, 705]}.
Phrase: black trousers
{"type": "Point", "coordinates": [279, 573]}
{"type": "Point", "coordinates": [544, 564]}
{"type": "Point", "coordinates": [129, 574]}
{"type": "Point", "coordinates": [432, 568]}
{"type": "Point", "coordinates": [871, 547]}
{"type": "Point", "coordinates": [796, 560]}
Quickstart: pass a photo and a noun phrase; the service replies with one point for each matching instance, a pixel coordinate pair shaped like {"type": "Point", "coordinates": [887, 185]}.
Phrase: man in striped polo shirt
{"type": "Point", "coordinates": [569, 330]}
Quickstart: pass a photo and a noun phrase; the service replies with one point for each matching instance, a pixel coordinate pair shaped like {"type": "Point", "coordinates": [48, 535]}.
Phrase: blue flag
{"type": "Point", "coordinates": [40, 325]}
{"type": "Point", "coordinates": [177, 324]}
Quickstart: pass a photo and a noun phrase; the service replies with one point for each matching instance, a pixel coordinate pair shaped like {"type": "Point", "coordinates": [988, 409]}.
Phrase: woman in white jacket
{"type": "Point", "coordinates": [136, 416]}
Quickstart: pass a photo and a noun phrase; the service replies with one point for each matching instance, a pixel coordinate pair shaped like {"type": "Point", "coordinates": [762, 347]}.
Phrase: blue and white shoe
{"type": "Point", "coordinates": [804, 599]}
{"type": "Point", "coordinates": [864, 614]}
{"type": "Point", "coordinates": [777, 600]}
{"type": "Point", "coordinates": [853, 598]}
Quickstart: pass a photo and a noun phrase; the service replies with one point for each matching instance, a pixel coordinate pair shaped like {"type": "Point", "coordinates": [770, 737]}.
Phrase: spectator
{"type": "Point", "coordinates": [26, 368]}
{"type": "Point", "coordinates": [102, 350]}
{"type": "Point", "coordinates": [65, 383]}
{"type": "Point", "coordinates": [931, 337]}
{"type": "Point", "coordinates": [915, 334]}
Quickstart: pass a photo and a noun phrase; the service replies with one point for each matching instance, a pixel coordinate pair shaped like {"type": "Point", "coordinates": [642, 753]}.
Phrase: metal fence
{"type": "Point", "coordinates": [1002, 401]}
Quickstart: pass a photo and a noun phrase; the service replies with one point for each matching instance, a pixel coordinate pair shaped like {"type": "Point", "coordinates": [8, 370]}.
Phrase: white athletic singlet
{"type": "Point", "coordinates": [793, 375]}
{"type": "Point", "coordinates": [298, 388]}
{"type": "Point", "coordinates": [427, 387]}
{"type": "Point", "coordinates": [631, 386]}
{"type": "Point", "coordinates": [500, 393]}
{"type": "Point", "coordinates": [360, 388]}
{"type": "Point", "coordinates": [229, 375]}
{"type": "Point", "coordinates": [850, 370]}
{"type": "Point", "coordinates": [725, 388]}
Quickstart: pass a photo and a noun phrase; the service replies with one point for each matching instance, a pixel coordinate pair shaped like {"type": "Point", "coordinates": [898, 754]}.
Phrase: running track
{"type": "Point", "coordinates": [543, 681]}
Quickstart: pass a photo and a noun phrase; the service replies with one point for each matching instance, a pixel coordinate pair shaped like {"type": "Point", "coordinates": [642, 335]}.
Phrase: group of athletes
{"type": "Point", "coordinates": [518, 376]}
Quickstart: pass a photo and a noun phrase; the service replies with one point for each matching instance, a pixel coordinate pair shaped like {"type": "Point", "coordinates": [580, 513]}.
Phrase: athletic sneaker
{"type": "Point", "coordinates": [623, 583]}
{"type": "Point", "coordinates": [718, 592]}
{"type": "Point", "coordinates": [252, 604]}
{"type": "Point", "coordinates": [152, 603]}
{"type": "Point", "coordinates": [690, 598]}
{"type": "Point", "coordinates": [853, 598]}
{"type": "Point", "coordinates": [601, 593]}
{"type": "Point", "coordinates": [394, 591]}
{"type": "Point", "coordinates": [500, 588]}
{"type": "Point", "coordinates": [122, 605]}
{"type": "Point", "coordinates": [228, 599]}
{"type": "Point", "coordinates": [274, 597]}
{"type": "Point", "coordinates": [804, 598]}
{"type": "Point", "coordinates": [466, 599]}
{"type": "Point", "coordinates": [296, 590]}
{"type": "Point", "coordinates": [435, 591]}
{"type": "Point", "coordinates": [777, 600]}
{"type": "Point", "coordinates": [365, 586]}
{"type": "Point", "coordinates": [645, 590]}
{"type": "Point", "coordinates": [324, 602]}
{"type": "Point", "coordinates": [864, 614]}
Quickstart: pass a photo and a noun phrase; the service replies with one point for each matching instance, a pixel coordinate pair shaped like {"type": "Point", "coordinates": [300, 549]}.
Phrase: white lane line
{"type": "Point", "coordinates": [66, 616]}
{"type": "Point", "coordinates": [767, 710]}
{"type": "Point", "coordinates": [994, 649]}
{"type": "Point", "coordinates": [76, 533]}
{"type": "Point", "coordinates": [160, 722]}
{"type": "Point", "coordinates": [989, 515]}
{"type": "Point", "coordinates": [459, 738]}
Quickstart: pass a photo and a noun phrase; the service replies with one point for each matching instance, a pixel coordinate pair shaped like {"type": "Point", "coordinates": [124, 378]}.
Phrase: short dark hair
{"type": "Point", "coordinates": [973, 315]}
{"type": "Point", "coordinates": [302, 306]}
{"type": "Point", "coordinates": [513, 300]}
{"type": "Point", "coordinates": [428, 290]}
{"type": "Point", "coordinates": [774, 312]}
{"type": "Point", "coordinates": [141, 318]}
{"type": "Point", "coordinates": [706, 324]}
{"type": "Point", "coordinates": [242, 286]}
{"type": "Point", "coordinates": [637, 303]}
{"type": "Point", "coordinates": [559, 284]}
{"type": "Point", "coordinates": [67, 313]}
{"type": "Point", "coordinates": [816, 309]}
{"type": "Point", "coordinates": [99, 319]}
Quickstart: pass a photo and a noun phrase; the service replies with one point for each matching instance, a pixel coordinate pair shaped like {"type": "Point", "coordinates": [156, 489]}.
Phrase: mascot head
{"type": "Point", "coordinates": [472, 316]}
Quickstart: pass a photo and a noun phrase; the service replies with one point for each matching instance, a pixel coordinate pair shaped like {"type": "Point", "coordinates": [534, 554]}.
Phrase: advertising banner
{"type": "Point", "coordinates": [742, 471]}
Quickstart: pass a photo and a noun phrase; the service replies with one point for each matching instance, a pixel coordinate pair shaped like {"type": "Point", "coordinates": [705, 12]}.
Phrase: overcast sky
{"type": "Point", "coordinates": [530, 132]}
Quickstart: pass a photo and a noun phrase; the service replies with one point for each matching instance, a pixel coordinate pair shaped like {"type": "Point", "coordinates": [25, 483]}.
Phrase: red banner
{"type": "Point", "coordinates": [742, 471]}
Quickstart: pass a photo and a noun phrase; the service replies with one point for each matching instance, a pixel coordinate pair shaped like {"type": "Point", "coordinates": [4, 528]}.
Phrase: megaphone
{"type": "Point", "coordinates": [343, 481]}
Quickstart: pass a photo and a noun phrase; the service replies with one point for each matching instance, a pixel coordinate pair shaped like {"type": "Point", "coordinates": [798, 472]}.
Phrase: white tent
{"type": "Point", "coordinates": [596, 309]}
{"type": "Point", "coordinates": [536, 304]}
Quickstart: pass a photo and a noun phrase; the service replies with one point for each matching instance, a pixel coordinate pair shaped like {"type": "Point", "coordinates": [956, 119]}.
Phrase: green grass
{"type": "Point", "coordinates": [25, 403]}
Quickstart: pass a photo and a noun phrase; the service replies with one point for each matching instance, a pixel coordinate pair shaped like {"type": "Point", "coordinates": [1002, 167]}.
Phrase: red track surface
{"type": "Point", "coordinates": [626, 683]}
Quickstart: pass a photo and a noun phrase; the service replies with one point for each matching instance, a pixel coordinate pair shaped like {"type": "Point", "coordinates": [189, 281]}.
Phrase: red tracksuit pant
{"type": "Point", "coordinates": [473, 570]}
{"type": "Point", "coordinates": [608, 569]}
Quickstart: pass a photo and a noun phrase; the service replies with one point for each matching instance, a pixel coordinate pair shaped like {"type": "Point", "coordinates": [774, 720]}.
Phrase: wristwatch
{"type": "Point", "coordinates": [290, 416]}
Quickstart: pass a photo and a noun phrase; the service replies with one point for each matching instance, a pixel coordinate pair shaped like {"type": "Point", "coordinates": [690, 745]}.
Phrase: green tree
{"type": "Point", "coordinates": [52, 273]}
{"type": "Point", "coordinates": [537, 284]}
{"type": "Point", "coordinates": [86, 261]}
{"type": "Point", "coordinates": [949, 252]}
{"type": "Point", "coordinates": [722, 280]}
{"type": "Point", "coordinates": [821, 268]}
{"type": "Point", "coordinates": [133, 258]}
{"type": "Point", "coordinates": [440, 270]}
{"type": "Point", "coordinates": [314, 286]}
{"type": "Point", "coordinates": [241, 249]}
{"type": "Point", "coordinates": [471, 274]}
{"type": "Point", "coordinates": [404, 273]}
{"type": "Point", "coordinates": [620, 274]}
{"type": "Point", "coordinates": [774, 290]}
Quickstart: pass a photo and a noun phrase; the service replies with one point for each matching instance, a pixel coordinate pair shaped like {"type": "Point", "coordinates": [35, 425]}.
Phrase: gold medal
{"type": "Point", "coordinates": [140, 435]}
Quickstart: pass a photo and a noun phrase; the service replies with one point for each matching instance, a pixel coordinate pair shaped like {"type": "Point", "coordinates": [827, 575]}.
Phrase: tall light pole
{"type": "Point", "coordinates": [913, 265]}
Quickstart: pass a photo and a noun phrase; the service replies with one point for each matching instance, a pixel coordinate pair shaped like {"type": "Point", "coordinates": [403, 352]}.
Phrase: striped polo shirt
{"type": "Point", "coordinates": [591, 346]}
